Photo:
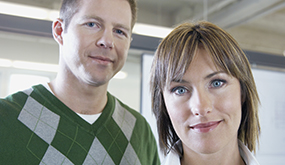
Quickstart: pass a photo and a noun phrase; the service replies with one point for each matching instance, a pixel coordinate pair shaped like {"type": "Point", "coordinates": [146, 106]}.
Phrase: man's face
{"type": "Point", "coordinates": [95, 45]}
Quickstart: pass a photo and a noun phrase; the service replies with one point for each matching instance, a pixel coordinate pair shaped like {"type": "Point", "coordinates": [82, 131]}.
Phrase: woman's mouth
{"type": "Point", "coordinates": [205, 127]}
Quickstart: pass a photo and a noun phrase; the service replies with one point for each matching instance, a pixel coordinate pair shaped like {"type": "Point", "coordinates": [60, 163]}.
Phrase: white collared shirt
{"type": "Point", "coordinates": [173, 159]}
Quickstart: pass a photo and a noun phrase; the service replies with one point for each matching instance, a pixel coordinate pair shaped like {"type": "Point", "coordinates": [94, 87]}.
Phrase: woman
{"type": "Point", "coordinates": [204, 98]}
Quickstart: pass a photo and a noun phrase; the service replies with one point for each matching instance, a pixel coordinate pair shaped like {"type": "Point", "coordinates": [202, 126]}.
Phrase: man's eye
{"type": "Point", "coordinates": [179, 90]}
{"type": "Point", "coordinates": [119, 32]}
{"type": "Point", "coordinates": [90, 24]}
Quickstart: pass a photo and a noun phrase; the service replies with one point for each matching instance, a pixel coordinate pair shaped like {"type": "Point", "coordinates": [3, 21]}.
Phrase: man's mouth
{"type": "Point", "coordinates": [102, 60]}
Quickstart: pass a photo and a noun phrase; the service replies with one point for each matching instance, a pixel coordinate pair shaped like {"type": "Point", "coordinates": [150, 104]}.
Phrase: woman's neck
{"type": "Point", "coordinates": [227, 155]}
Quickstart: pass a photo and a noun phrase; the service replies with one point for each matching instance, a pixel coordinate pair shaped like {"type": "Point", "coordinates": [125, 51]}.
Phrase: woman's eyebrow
{"type": "Point", "coordinates": [213, 74]}
{"type": "Point", "coordinates": [206, 77]}
{"type": "Point", "coordinates": [180, 81]}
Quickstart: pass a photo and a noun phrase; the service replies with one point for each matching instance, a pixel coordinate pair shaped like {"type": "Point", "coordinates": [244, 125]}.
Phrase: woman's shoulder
{"type": "Point", "coordinates": [246, 155]}
{"type": "Point", "coordinates": [171, 159]}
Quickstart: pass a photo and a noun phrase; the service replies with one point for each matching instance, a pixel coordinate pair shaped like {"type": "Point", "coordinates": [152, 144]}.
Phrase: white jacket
{"type": "Point", "coordinates": [173, 159]}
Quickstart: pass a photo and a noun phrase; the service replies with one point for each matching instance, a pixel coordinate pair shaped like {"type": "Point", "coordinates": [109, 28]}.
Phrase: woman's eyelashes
{"type": "Point", "coordinates": [179, 90]}
{"type": "Point", "coordinates": [214, 84]}
{"type": "Point", "coordinates": [217, 83]}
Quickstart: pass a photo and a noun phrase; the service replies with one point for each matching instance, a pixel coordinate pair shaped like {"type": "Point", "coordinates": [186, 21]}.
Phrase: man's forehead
{"type": "Point", "coordinates": [117, 10]}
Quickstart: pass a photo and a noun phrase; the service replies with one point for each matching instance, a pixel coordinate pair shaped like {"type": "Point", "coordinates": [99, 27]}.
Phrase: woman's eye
{"type": "Point", "coordinates": [179, 90]}
{"type": "Point", "coordinates": [217, 83]}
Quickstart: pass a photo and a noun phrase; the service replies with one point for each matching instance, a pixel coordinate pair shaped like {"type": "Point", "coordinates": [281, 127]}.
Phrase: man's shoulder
{"type": "Point", "coordinates": [140, 123]}
{"type": "Point", "coordinates": [17, 100]}
{"type": "Point", "coordinates": [131, 110]}
{"type": "Point", "coordinates": [13, 100]}
{"type": "Point", "coordinates": [142, 138]}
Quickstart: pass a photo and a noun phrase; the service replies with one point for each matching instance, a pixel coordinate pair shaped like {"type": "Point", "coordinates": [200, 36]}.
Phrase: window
{"type": "Point", "coordinates": [24, 81]}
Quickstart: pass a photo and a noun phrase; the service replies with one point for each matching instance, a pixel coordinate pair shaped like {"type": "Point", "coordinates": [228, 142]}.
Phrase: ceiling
{"type": "Point", "coordinates": [258, 25]}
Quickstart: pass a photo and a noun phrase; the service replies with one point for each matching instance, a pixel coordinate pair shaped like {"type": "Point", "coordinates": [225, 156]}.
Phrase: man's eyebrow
{"type": "Point", "coordinates": [94, 18]}
{"type": "Point", "coordinates": [123, 27]}
{"type": "Point", "coordinates": [118, 25]}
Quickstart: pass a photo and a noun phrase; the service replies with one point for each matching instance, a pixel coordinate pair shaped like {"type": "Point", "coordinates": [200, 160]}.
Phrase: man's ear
{"type": "Point", "coordinates": [57, 31]}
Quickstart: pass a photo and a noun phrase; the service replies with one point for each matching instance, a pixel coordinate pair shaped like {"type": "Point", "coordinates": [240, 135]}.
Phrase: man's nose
{"type": "Point", "coordinates": [106, 40]}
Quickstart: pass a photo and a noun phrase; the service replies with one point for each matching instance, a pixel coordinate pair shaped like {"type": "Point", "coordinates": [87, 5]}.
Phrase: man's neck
{"type": "Point", "coordinates": [79, 97]}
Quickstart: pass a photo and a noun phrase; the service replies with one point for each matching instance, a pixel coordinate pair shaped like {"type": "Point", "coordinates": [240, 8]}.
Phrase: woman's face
{"type": "Point", "coordinates": [205, 107]}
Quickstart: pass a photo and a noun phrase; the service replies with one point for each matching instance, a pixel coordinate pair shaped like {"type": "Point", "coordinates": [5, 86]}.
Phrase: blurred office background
{"type": "Point", "coordinates": [29, 55]}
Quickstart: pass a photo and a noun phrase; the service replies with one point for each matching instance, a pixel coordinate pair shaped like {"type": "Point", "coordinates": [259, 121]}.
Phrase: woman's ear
{"type": "Point", "coordinates": [57, 31]}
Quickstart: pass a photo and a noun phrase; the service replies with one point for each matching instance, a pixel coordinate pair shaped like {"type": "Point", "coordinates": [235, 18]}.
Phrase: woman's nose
{"type": "Point", "coordinates": [200, 103]}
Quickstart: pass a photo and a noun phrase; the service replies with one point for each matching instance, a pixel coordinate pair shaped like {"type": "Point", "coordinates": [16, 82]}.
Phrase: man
{"type": "Point", "coordinates": [73, 119]}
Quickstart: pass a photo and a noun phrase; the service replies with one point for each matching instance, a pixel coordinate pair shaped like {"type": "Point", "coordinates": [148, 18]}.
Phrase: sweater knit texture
{"type": "Point", "coordinates": [37, 128]}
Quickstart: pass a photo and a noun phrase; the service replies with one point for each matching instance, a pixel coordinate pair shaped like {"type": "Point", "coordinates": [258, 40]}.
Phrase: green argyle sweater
{"type": "Point", "coordinates": [37, 128]}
